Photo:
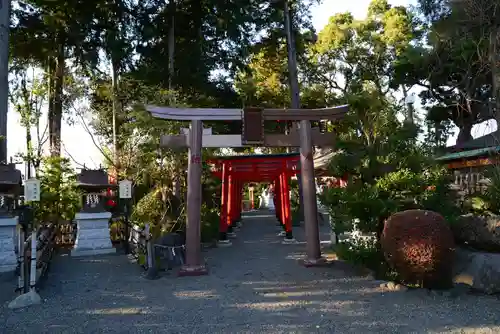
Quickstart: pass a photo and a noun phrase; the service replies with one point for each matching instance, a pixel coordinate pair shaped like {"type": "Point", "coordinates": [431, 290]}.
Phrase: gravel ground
{"type": "Point", "coordinates": [255, 286]}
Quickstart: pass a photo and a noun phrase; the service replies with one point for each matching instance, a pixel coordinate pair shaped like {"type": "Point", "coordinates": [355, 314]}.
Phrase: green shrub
{"type": "Point", "coordinates": [372, 203]}
{"type": "Point", "coordinates": [210, 219]}
{"type": "Point", "coordinates": [163, 211]}
{"type": "Point", "coordinates": [60, 198]}
{"type": "Point", "coordinates": [365, 253]}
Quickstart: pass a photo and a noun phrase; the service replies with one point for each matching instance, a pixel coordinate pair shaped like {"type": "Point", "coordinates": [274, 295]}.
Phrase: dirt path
{"type": "Point", "coordinates": [255, 286]}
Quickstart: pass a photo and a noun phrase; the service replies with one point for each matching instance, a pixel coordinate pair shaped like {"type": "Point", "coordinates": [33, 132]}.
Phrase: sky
{"type": "Point", "coordinates": [78, 143]}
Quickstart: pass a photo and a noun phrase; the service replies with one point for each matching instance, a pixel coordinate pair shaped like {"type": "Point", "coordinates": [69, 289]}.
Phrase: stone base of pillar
{"type": "Point", "coordinates": [320, 262]}
{"type": "Point", "coordinates": [25, 300]}
{"type": "Point", "coordinates": [289, 241]}
{"type": "Point", "coordinates": [187, 270]}
{"type": "Point", "coordinates": [151, 274]}
{"type": "Point", "coordinates": [92, 237]}
{"type": "Point", "coordinates": [231, 235]}
{"type": "Point", "coordinates": [8, 241]}
{"type": "Point", "coordinates": [224, 243]}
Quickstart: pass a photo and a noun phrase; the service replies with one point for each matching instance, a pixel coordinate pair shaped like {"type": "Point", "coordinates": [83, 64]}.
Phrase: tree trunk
{"type": "Point", "coordinates": [494, 58]}
{"type": "Point", "coordinates": [116, 111]}
{"type": "Point", "coordinates": [171, 73]}
{"type": "Point", "coordinates": [464, 134]}
{"type": "Point", "coordinates": [55, 116]}
{"type": "Point", "coordinates": [171, 48]}
{"type": "Point", "coordinates": [50, 89]}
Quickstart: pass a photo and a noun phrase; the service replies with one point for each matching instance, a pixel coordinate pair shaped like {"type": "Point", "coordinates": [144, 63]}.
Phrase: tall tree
{"type": "Point", "coordinates": [50, 33]}
{"type": "Point", "coordinates": [455, 68]}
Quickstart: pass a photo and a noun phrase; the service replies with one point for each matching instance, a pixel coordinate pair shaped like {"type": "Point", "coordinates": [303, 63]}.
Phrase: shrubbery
{"type": "Point", "coordinates": [167, 213]}
{"type": "Point", "coordinates": [419, 245]}
{"type": "Point", "coordinates": [388, 172]}
{"type": "Point", "coordinates": [59, 197]}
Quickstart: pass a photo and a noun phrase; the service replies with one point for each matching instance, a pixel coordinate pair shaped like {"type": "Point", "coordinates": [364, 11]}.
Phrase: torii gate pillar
{"type": "Point", "coordinates": [313, 252]}
{"type": "Point", "coordinates": [194, 263]}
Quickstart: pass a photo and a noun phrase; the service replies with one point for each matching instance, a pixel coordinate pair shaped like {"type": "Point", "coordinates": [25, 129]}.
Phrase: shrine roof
{"type": "Point", "coordinates": [93, 178]}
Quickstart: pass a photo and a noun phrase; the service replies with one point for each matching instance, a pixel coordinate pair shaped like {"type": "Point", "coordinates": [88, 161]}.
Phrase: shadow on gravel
{"type": "Point", "coordinates": [256, 286]}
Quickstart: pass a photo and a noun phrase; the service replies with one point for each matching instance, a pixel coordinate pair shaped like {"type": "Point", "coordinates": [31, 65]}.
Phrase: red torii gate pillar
{"type": "Point", "coordinates": [287, 212]}
{"type": "Point", "coordinates": [224, 210]}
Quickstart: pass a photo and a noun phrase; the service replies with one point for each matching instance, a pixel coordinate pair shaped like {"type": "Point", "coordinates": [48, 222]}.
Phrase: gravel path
{"type": "Point", "coordinates": [255, 286]}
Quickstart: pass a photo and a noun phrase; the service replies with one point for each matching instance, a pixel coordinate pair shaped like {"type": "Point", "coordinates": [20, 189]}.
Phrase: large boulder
{"type": "Point", "coordinates": [481, 232]}
{"type": "Point", "coordinates": [479, 270]}
{"type": "Point", "coordinates": [419, 245]}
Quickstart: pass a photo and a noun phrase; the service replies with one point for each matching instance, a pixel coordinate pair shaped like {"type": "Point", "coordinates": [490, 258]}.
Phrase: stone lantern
{"type": "Point", "coordinates": [10, 189]}
{"type": "Point", "coordinates": [92, 237]}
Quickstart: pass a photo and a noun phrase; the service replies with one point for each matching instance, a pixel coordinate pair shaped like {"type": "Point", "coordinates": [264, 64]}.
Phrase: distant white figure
{"type": "Point", "coordinates": [266, 200]}
{"type": "Point", "coordinates": [270, 201]}
{"type": "Point", "coordinates": [263, 199]}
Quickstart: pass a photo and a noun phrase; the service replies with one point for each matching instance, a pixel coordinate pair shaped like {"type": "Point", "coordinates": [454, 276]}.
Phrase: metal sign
{"type": "Point", "coordinates": [125, 187]}
{"type": "Point", "coordinates": [32, 190]}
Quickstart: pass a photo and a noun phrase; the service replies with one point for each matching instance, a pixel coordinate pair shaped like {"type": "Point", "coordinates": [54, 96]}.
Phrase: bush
{"type": "Point", "coordinates": [419, 245]}
{"type": "Point", "coordinates": [162, 210]}
{"type": "Point", "coordinates": [365, 253]}
{"type": "Point", "coordinates": [60, 198]}
{"type": "Point", "coordinates": [210, 219]}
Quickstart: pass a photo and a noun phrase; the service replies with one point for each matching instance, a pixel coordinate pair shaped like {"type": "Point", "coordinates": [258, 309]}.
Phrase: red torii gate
{"type": "Point", "coordinates": [235, 171]}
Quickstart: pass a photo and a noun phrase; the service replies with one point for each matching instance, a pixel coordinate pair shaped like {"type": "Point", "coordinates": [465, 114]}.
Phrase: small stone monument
{"type": "Point", "coordinates": [92, 236]}
{"type": "Point", "coordinates": [10, 189]}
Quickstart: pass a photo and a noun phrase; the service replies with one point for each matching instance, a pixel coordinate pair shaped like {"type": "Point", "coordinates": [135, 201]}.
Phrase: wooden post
{"type": "Point", "coordinates": [313, 251]}
{"type": "Point", "coordinates": [33, 260]}
{"type": "Point", "coordinates": [195, 265]}
{"type": "Point", "coordinates": [20, 260]}
{"type": "Point", "coordinates": [152, 273]}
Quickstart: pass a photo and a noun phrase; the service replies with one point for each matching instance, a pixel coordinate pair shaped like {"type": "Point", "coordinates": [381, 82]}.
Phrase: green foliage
{"type": "Point", "coordinates": [210, 218]}
{"type": "Point", "coordinates": [372, 203]}
{"type": "Point", "coordinates": [365, 253]}
{"type": "Point", "coordinates": [160, 209]}
{"type": "Point", "coordinates": [489, 201]}
{"type": "Point", "coordinates": [59, 197]}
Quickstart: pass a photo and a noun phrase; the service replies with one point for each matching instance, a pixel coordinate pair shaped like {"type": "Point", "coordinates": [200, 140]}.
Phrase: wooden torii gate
{"type": "Point", "coordinates": [253, 136]}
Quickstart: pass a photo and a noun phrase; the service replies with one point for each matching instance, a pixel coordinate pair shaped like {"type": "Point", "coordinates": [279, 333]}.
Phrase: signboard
{"type": "Point", "coordinates": [472, 163]}
{"type": "Point", "coordinates": [253, 127]}
{"type": "Point", "coordinates": [125, 189]}
{"type": "Point", "coordinates": [32, 190]}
